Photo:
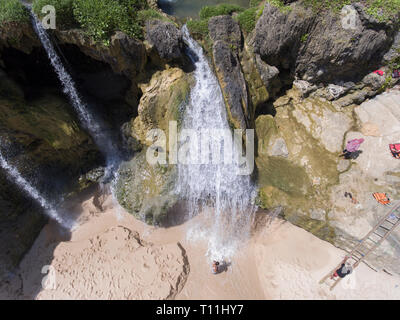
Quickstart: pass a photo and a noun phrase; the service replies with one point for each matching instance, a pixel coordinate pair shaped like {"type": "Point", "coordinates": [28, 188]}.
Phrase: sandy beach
{"type": "Point", "coordinates": [111, 255]}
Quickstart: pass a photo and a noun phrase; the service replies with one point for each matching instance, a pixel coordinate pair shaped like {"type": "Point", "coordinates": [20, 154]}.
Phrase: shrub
{"type": "Point", "coordinates": [148, 14]}
{"type": "Point", "coordinates": [248, 18]}
{"type": "Point", "coordinates": [208, 12]}
{"type": "Point", "coordinates": [255, 3]}
{"type": "Point", "coordinates": [12, 11]}
{"type": "Point", "coordinates": [383, 10]}
{"type": "Point", "coordinates": [281, 5]}
{"type": "Point", "coordinates": [64, 11]}
{"type": "Point", "coordinates": [101, 18]}
{"type": "Point", "coordinates": [199, 27]}
{"type": "Point", "coordinates": [133, 6]}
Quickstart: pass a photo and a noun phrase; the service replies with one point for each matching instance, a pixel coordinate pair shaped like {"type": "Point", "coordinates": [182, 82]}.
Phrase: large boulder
{"type": "Point", "coordinates": [163, 100]}
{"type": "Point", "coordinates": [125, 55]}
{"type": "Point", "coordinates": [233, 84]}
{"type": "Point", "coordinates": [317, 47]}
{"type": "Point", "coordinates": [226, 29]}
{"type": "Point", "coordinates": [146, 190]}
{"type": "Point", "coordinates": [166, 38]}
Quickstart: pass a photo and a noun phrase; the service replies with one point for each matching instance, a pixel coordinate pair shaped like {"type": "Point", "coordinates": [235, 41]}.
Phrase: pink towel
{"type": "Point", "coordinates": [354, 145]}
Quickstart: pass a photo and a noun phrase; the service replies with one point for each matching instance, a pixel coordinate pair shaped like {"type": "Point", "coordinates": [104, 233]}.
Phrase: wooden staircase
{"type": "Point", "coordinates": [369, 243]}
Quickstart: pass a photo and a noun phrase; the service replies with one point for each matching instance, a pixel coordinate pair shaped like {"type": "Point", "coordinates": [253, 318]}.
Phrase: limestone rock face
{"type": "Point", "coordinates": [226, 29]}
{"type": "Point", "coordinates": [146, 190]}
{"type": "Point", "coordinates": [310, 180]}
{"type": "Point", "coordinates": [19, 36]}
{"type": "Point", "coordinates": [166, 38]}
{"type": "Point", "coordinates": [163, 100]}
{"type": "Point", "coordinates": [125, 55]}
{"type": "Point", "coordinates": [232, 83]}
{"type": "Point", "coordinates": [277, 34]}
{"type": "Point", "coordinates": [37, 136]}
{"type": "Point", "coordinates": [318, 48]}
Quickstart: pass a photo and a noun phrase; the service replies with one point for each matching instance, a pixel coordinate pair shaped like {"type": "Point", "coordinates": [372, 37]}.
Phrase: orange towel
{"type": "Point", "coordinates": [381, 198]}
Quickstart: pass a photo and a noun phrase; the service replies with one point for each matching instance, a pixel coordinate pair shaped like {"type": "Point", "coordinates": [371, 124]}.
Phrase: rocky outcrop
{"type": "Point", "coordinates": [38, 135]}
{"type": "Point", "coordinates": [226, 29]}
{"type": "Point", "coordinates": [146, 190]}
{"type": "Point", "coordinates": [125, 55]}
{"type": "Point", "coordinates": [298, 167]}
{"type": "Point", "coordinates": [232, 83]}
{"type": "Point", "coordinates": [166, 38]}
{"type": "Point", "coordinates": [20, 36]}
{"type": "Point", "coordinates": [162, 101]}
{"type": "Point", "coordinates": [227, 42]}
{"type": "Point", "coordinates": [317, 47]}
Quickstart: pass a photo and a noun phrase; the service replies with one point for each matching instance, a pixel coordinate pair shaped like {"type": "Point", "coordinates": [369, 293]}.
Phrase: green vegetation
{"type": "Point", "coordinates": [208, 12]}
{"type": "Point", "coordinates": [12, 11]}
{"type": "Point", "coordinates": [304, 37]}
{"type": "Point", "coordinates": [64, 11]}
{"type": "Point", "coordinates": [279, 4]}
{"type": "Point", "coordinates": [200, 26]}
{"type": "Point", "coordinates": [101, 18]}
{"type": "Point", "coordinates": [149, 14]}
{"type": "Point", "coordinates": [382, 10]}
{"type": "Point", "coordinates": [248, 18]}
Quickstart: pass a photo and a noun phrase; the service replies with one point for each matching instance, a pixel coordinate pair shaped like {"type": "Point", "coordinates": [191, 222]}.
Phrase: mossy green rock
{"type": "Point", "coordinates": [146, 191]}
{"type": "Point", "coordinates": [163, 100]}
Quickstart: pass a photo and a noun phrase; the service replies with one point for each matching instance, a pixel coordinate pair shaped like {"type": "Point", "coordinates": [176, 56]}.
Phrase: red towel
{"type": "Point", "coordinates": [395, 149]}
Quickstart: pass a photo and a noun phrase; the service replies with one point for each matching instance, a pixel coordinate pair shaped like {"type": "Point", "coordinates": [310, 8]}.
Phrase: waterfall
{"type": "Point", "coordinates": [88, 120]}
{"type": "Point", "coordinates": [215, 190]}
{"type": "Point", "coordinates": [17, 178]}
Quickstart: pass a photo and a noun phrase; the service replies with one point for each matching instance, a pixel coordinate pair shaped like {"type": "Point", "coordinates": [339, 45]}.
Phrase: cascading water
{"type": "Point", "coordinates": [29, 189]}
{"type": "Point", "coordinates": [216, 190]}
{"type": "Point", "coordinates": [93, 125]}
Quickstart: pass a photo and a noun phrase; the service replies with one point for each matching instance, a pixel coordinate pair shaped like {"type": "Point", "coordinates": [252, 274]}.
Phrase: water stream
{"type": "Point", "coordinates": [214, 189]}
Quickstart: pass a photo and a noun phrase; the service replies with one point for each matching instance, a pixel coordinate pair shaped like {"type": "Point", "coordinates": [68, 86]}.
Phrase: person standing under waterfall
{"type": "Point", "coordinates": [215, 267]}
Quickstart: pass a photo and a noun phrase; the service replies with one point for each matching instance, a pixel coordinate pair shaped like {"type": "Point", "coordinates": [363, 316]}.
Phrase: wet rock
{"type": "Point", "coordinates": [146, 191]}
{"type": "Point", "coordinates": [226, 29]}
{"type": "Point", "coordinates": [232, 83]}
{"type": "Point", "coordinates": [166, 38]}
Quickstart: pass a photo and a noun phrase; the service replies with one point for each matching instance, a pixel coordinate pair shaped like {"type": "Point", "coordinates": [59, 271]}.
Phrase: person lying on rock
{"type": "Point", "coordinates": [351, 147]}
{"type": "Point", "coordinates": [344, 270]}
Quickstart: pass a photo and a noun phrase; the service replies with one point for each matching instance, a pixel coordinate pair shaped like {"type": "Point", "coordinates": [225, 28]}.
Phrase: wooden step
{"type": "Point", "coordinates": [384, 228]}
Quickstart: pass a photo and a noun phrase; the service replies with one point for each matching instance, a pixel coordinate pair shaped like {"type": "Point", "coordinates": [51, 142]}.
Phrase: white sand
{"type": "Point", "coordinates": [111, 258]}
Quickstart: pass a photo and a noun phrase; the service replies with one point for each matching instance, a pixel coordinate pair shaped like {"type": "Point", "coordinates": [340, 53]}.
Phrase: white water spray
{"type": "Point", "coordinates": [17, 178]}
{"type": "Point", "coordinates": [93, 125]}
{"type": "Point", "coordinates": [225, 198]}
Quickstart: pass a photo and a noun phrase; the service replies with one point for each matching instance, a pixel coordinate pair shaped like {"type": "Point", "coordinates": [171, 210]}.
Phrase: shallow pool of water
{"type": "Point", "coordinates": [191, 8]}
